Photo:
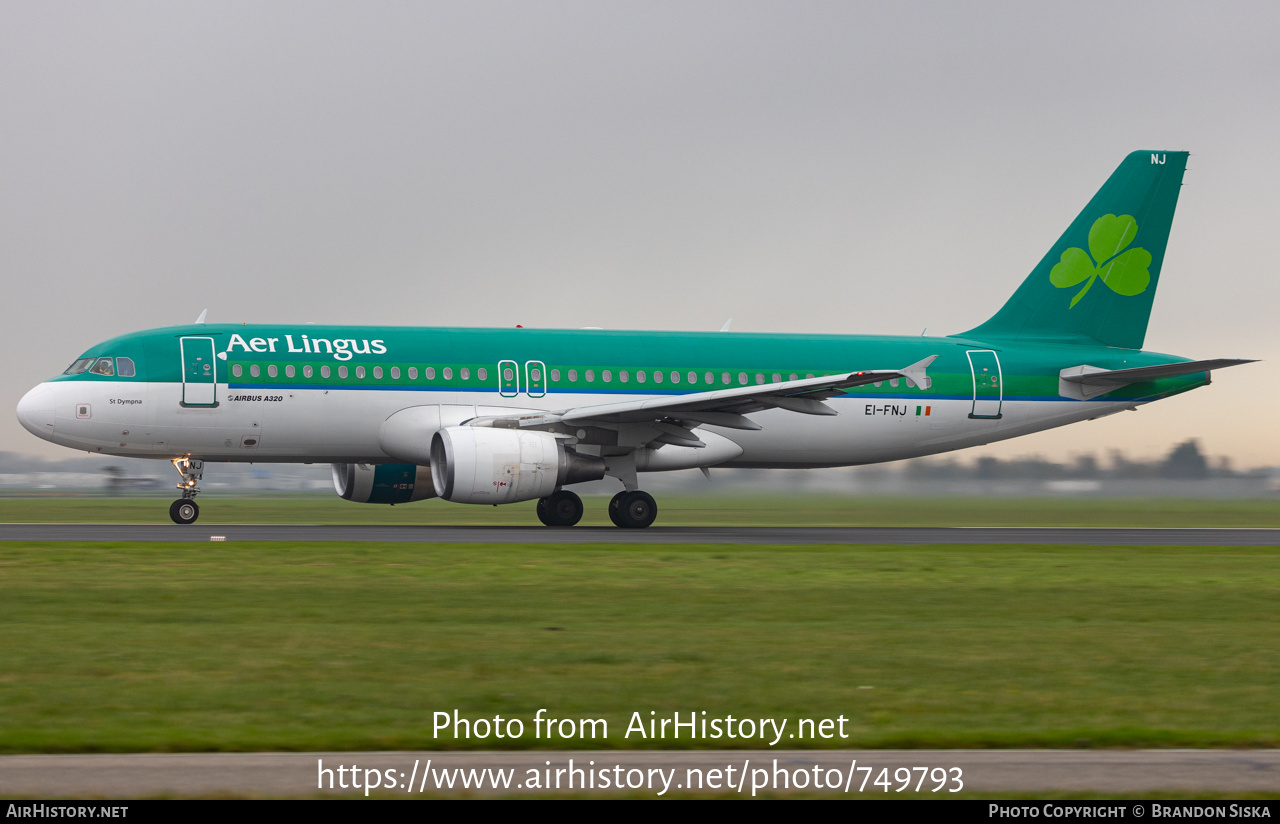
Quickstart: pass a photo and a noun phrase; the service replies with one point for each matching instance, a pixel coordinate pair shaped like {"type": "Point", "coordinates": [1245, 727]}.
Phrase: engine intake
{"type": "Point", "coordinates": [484, 465]}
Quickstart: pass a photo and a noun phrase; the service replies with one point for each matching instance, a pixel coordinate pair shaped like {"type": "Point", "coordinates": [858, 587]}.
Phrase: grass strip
{"type": "Point", "coordinates": [325, 646]}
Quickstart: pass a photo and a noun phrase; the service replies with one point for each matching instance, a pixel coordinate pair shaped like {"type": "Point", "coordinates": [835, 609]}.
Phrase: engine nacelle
{"type": "Point", "coordinates": [382, 483]}
{"type": "Point", "coordinates": [485, 465]}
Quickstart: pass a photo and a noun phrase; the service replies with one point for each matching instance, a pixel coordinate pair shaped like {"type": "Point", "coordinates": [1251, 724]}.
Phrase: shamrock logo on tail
{"type": "Point", "coordinates": [1124, 272]}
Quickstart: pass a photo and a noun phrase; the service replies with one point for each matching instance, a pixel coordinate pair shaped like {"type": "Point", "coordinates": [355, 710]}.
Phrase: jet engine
{"type": "Point", "coordinates": [484, 465]}
{"type": "Point", "coordinates": [382, 483]}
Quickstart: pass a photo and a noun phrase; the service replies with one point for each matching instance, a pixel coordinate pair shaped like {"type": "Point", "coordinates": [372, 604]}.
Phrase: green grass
{"type": "Point", "coordinates": [284, 646]}
{"type": "Point", "coordinates": [680, 510]}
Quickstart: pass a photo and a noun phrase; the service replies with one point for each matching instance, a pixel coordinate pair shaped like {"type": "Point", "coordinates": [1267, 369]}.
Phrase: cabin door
{"type": "Point", "coordinates": [199, 372]}
{"type": "Point", "coordinates": [988, 391]}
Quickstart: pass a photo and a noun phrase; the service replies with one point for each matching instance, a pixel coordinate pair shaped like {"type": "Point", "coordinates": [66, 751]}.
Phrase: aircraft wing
{"type": "Point", "coordinates": [718, 407]}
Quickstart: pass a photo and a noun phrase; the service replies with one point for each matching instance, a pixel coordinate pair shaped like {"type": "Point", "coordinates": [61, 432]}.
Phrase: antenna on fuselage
{"type": "Point", "coordinates": [202, 316]}
{"type": "Point", "coordinates": [725, 328]}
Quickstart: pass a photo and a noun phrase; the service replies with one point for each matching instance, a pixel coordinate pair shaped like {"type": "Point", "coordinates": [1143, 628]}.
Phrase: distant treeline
{"type": "Point", "coordinates": [1185, 462]}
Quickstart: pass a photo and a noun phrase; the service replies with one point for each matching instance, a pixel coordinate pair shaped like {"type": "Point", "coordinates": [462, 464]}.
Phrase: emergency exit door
{"type": "Point", "coordinates": [508, 379]}
{"type": "Point", "coordinates": [535, 378]}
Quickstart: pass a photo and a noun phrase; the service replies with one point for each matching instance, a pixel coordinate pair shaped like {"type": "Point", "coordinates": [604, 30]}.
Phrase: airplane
{"type": "Point", "coordinates": [497, 416]}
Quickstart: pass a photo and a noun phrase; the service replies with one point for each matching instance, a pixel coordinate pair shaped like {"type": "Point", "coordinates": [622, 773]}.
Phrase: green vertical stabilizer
{"type": "Point", "coordinates": [1097, 283]}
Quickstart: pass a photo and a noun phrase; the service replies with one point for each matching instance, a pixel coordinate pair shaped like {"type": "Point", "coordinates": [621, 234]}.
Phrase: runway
{"type": "Point", "coordinates": [89, 533]}
{"type": "Point", "coordinates": [848, 773]}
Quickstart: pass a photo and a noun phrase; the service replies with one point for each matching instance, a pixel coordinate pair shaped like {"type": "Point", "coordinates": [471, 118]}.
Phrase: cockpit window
{"type": "Point", "coordinates": [104, 366]}
{"type": "Point", "coordinates": [125, 368]}
{"type": "Point", "coordinates": [79, 366]}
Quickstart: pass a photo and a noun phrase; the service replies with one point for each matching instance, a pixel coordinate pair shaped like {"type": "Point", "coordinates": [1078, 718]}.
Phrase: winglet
{"type": "Point", "coordinates": [916, 372]}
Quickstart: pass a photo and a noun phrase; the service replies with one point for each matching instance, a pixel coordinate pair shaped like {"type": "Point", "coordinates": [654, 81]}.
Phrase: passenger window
{"type": "Point", "coordinates": [377, 373]}
{"type": "Point", "coordinates": [272, 371]}
{"type": "Point", "coordinates": [809, 375]}
{"type": "Point", "coordinates": [657, 376]}
{"type": "Point", "coordinates": [482, 374]}
{"type": "Point", "coordinates": [324, 371]}
{"type": "Point", "coordinates": [640, 376]}
{"type": "Point", "coordinates": [413, 373]}
{"type": "Point", "coordinates": [777, 378]}
{"type": "Point", "coordinates": [573, 376]}
{"type": "Point", "coordinates": [724, 377]}
{"type": "Point", "coordinates": [623, 376]}
{"type": "Point", "coordinates": [360, 372]}
{"type": "Point", "coordinates": [395, 373]}
{"type": "Point", "coordinates": [255, 371]}
{"type": "Point", "coordinates": [534, 373]}
{"type": "Point", "coordinates": [79, 366]}
{"type": "Point", "coordinates": [607, 375]}
{"type": "Point", "coordinates": [104, 366]}
{"type": "Point", "coordinates": [342, 371]}
{"type": "Point", "coordinates": [289, 371]}
{"type": "Point", "coordinates": [124, 367]}
{"type": "Point", "coordinates": [708, 378]}
{"type": "Point", "coordinates": [591, 375]}
{"type": "Point", "coordinates": [555, 375]}
{"type": "Point", "coordinates": [742, 378]}
{"type": "Point", "coordinates": [792, 377]}
{"type": "Point", "coordinates": [307, 371]}
{"type": "Point", "coordinates": [675, 377]}
{"type": "Point", "coordinates": [430, 373]}
{"type": "Point", "coordinates": [466, 374]}
{"type": "Point", "coordinates": [448, 373]}
{"type": "Point", "coordinates": [759, 379]}
{"type": "Point", "coordinates": [237, 370]}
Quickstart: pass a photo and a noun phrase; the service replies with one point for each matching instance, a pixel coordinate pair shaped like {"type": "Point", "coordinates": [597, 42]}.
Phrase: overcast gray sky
{"type": "Point", "coordinates": [799, 166]}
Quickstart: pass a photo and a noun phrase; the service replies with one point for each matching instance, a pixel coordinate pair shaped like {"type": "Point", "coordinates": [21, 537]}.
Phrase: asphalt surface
{"type": "Point", "coordinates": [83, 533]}
{"type": "Point", "coordinates": [411, 774]}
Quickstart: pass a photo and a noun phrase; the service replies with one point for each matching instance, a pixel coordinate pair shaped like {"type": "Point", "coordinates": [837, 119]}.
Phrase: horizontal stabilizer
{"type": "Point", "coordinates": [1084, 382]}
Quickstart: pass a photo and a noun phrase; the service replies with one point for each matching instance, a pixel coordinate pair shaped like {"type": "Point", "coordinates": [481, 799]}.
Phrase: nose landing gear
{"type": "Point", "coordinates": [184, 510]}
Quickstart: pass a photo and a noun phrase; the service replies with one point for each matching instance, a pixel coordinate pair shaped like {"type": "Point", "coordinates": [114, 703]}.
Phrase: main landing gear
{"type": "Point", "coordinates": [184, 510]}
{"type": "Point", "coordinates": [629, 510]}
{"type": "Point", "coordinates": [562, 508]}
{"type": "Point", "coordinates": [633, 510]}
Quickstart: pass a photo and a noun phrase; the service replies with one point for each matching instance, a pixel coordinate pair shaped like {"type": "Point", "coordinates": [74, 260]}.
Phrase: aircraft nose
{"type": "Point", "coordinates": [35, 412]}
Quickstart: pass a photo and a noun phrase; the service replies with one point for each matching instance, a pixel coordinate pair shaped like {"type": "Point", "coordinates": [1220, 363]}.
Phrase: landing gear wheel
{"type": "Point", "coordinates": [633, 510]}
{"type": "Point", "coordinates": [615, 504]}
{"type": "Point", "coordinates": [562, 508]}
{"type": "Point", "coordinates": [184, 511]}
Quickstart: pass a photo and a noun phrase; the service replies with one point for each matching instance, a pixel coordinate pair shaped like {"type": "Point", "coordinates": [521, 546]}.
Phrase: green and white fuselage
{"type": "Point", "coordinates": [502, 415]}
{"type": "Point", "coordinates": [330, 404]}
